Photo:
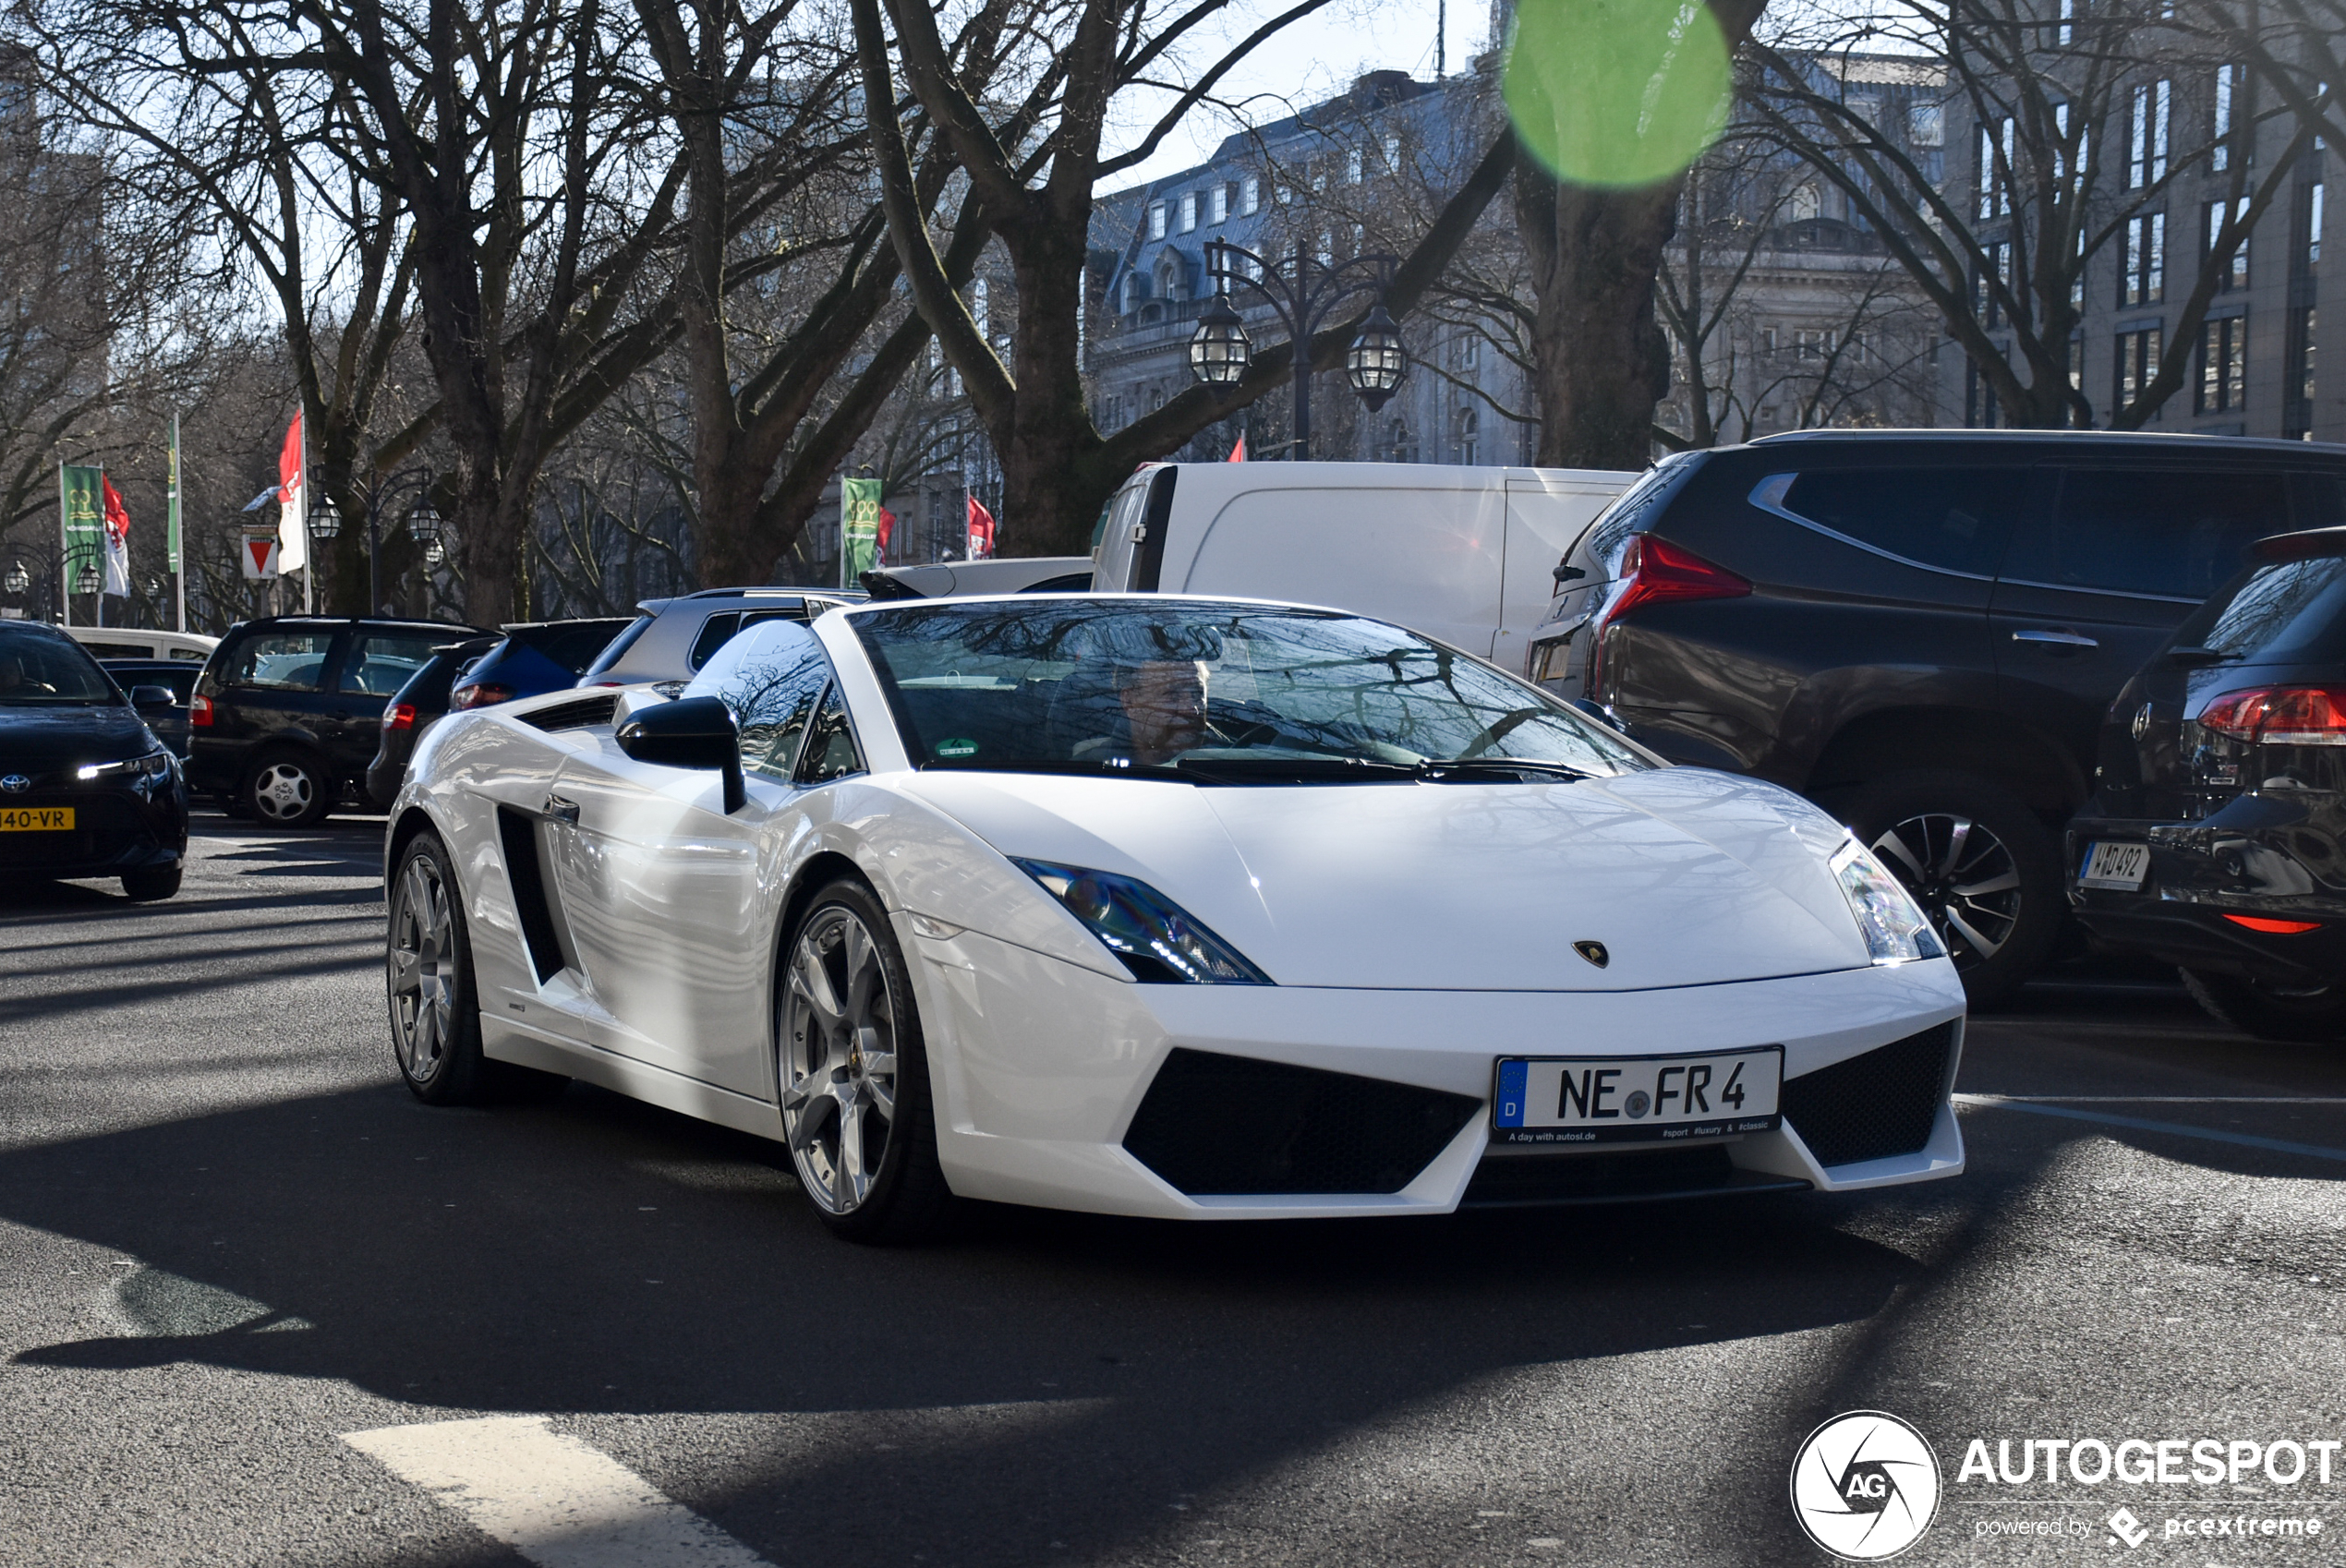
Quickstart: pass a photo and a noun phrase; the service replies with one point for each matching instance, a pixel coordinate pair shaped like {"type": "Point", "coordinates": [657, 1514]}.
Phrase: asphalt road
{"type": "Point", "coordinates": [228, 1238]}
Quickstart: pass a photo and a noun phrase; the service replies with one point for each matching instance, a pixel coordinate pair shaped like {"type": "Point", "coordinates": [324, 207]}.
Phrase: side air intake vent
{"type": "Point", "coordinates": [577, 715]}
{"type": "Point", "coordinates": [1216, 1124]}
{"type": "Point", "coordinates": [519, 831]}
{"type": "Point", "coordinates": [1873, 1105]}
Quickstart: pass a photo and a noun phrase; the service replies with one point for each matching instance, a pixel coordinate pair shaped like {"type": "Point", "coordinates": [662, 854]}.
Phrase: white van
{"type": "Point", "coordinates": [1468, 555]}
{"type": "Point", "coordinates": [124, 642]}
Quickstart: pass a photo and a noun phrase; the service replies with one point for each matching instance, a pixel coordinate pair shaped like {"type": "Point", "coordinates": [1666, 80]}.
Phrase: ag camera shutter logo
{"type": "Point", "coordinates": [1865, 1486]}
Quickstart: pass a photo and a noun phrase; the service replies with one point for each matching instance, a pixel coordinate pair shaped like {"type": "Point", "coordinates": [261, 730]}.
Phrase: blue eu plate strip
{"type": "Point", "coordinates": [1511, 1093]}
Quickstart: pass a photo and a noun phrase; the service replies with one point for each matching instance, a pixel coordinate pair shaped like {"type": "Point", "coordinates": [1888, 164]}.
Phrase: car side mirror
{"type": "Point", "coordinates": [689, 732]}
{"type": "Point", "coordinates": [153, 699]}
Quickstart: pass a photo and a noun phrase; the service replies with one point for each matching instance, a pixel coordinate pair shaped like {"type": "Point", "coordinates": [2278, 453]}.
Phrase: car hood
{"type": "Point", "coordinates": [35, 741]}
{"type": "Point", "coordinates": [1687, 878]}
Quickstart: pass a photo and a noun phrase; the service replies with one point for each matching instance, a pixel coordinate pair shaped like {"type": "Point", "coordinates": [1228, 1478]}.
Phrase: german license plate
{"type": "Point", "coordinates": [36, 819]}
{"type": "Point", "coordinates": [1573, 1100]}
{"type": "Point", "coordinates": [2122, 866]}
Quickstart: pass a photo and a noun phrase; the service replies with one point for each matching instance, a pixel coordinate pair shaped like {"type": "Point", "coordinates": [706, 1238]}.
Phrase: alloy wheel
{"type": "Point", "coordinates": [283, 792]}
{"type": "Point", "coordinates": [422, 964]}
{"type": "Point", "coordinates": [838, 1058]}
{"type": "Point", "coordinates": [1963, 875]}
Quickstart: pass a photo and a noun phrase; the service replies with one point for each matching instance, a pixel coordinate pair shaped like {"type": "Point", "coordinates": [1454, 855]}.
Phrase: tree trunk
{"type": "Point", "coordinates": [1603, 361]}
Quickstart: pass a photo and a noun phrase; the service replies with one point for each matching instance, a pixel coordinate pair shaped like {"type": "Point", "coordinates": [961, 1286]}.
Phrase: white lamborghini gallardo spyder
{"type": "Point", "coordinates": [1166, 906]}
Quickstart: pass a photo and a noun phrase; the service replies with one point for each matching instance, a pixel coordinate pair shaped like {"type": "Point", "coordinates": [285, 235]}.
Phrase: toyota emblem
{"type": "Point", "coordinates": [15, 783]}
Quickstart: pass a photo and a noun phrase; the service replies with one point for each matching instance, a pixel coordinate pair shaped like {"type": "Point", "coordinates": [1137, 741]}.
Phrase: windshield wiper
{"type": "Point", "coordinates": [1294, 770]}
{"type": "Point", "coordinates": [1471, 769]}
{"type": "Point", "coordinates": [1084, 767]}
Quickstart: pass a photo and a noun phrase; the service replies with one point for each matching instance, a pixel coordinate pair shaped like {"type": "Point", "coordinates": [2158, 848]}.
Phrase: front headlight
{"type": "Point", "coordinates": [1894, 928]}
{"type": "Point", "coordinates": [154, 764]}
{"type": "Point", "coordinates": [1159, 940]}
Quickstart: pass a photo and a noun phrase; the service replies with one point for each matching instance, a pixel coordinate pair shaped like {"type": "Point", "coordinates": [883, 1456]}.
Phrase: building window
{"type": "Point", "coordinates": [2231, 82]}
{"type": "Point", "coordinates": [1189, 210]}
{"type": "Point", "coordinates": [1157, 220]}
{"type": "Point", "coordinates": [2298, 390]}
{"type": "Point", "coordinates": [1995, 169]}
{"type": "Point", "coordinates": [1326, 252]}
{"type": "Point", "coordinates": [2309, 229]}
{"type": "Point", "coordinates": [2068, 33]}
{"type": "Point", "coordinates": [1980, 411]}
{"type": "Point", "coordinates": [2146, 153]}
{"type": "Point", "coordinates": [1250, 195]}
{"type": "Point", "coordinates": [2137, 363]}
{"type": "Point", "coordinates": [2142, 280]}
{"type": "Point", "coordinates": [1352, 167]}
{"type": "Point", "coordinates": [1392, 154]}
{"type": "Point", "coordinates": [1219, 197]}
{"type": "Point", "coordinates": [1811, 343]}
{"type": "Point", "coordinates": [1994, 283]}
{"type": "Point", "coordinates": [1470, 436]}
{"type": "Point", "coordinates": [2212, 214]}
{"type": "Point", "coordinates": [2223, 367]}
{"type": "Point", "coordinates": [1927, 124]}
{"type": "Point", "coordinates": [1466, 351]}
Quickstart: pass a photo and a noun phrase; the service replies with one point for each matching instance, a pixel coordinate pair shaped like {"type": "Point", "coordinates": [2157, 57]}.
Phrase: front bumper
{"type": "Point", "coordinates": [1042, 1068]}
{"type": "Point", "coordinates": [2200, 871]}
{"type": "Point", "coordinates": [116, 829]}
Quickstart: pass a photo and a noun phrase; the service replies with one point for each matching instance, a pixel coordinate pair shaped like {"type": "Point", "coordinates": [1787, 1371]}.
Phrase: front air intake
{"type": "Point", "coordinates": [1871, 1106]}
{"type": "Point", "coordinates": [1212, 1123]}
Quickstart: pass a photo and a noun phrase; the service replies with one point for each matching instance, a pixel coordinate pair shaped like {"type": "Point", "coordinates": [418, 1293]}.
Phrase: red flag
{"type": "Point", "coordinates": [293, 505]}
{"type": "Point", "coordinates": [886, 527]}
{"type": "Point", "coordinates": [981, 531]}
{"type": "Point", "coordinates": [117, 538]}
{"type": "Point", "coordinates": [1237, 452]}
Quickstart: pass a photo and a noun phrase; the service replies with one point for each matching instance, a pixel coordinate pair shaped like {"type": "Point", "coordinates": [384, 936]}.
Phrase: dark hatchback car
{"type": "Point", "coordinates": [2217, 840]}
{"type": "Point", "coordinates": [412, 710]}
{"type": "Point", "coordinates": [1919, 630]}
{"type": "Point", "coordinates": [86, 789]}
{"type": "Point", "coordinates": [536, 656]}
{"type": "Point", "coordinates": [174, 675]}
{"type": "Point", "coordinates": [287, 712]}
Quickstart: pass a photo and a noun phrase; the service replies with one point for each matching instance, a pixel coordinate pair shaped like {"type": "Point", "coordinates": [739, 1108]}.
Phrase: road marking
{"type": "Point", "coordinates": [2178, 1129]}
{"type": "Point", "coordinates": [552, 1498]}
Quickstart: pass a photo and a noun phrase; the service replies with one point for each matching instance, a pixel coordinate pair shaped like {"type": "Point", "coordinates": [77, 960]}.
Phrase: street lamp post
{"type": "Point", "coordinates": [1302, 296]}
{"type": "Point", "coordinates": [423, 522]}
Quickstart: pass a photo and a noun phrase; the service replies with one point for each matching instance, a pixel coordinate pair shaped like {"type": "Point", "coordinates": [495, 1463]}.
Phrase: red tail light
{"type": "Point", "coordinates": [1656, 572]}
{"type": "Point", "coordinates": [400, 716]}
{"type": "Point", "coordinates": [2274, 927]}
{"type": "Point", "coordinates": [199, 712]}
{"type": "Point", "coordinates": [483, 695]}
{"type": "Point", "coordinates": [2281, 716]}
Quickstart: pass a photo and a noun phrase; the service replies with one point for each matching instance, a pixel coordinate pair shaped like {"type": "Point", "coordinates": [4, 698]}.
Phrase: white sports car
{"type": "Point", "coordinates": [1161, 906]}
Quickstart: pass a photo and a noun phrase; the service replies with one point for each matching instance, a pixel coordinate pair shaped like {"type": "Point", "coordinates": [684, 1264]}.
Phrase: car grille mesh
{"type": "Point", "coordinates": [1215, 1124]}
{"type": "Point", "coordinates": [580, 713]}
{"type": "Point", "coordinates": [1874, 1105]}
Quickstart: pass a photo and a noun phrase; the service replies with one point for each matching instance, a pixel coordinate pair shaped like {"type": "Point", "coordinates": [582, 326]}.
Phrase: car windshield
{"type": "Point", "coordinates": [39, 667]}
{"type": "Point", "coordinates": [1214, 693]}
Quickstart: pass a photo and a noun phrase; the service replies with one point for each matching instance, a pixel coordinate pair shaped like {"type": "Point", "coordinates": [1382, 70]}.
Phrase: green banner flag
{"type": "Point", "coordinates": [82, 508]}
{"type": "Point", "coordinates": [170, 511]}
{"type": "Point", "coordinates": [859, 520]}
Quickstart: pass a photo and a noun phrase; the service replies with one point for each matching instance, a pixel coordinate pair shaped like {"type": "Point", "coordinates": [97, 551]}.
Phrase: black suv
{"type": "Point", "coordinates": [1919, 630]}
{"type": "Point", "coordinates": [286, 711]}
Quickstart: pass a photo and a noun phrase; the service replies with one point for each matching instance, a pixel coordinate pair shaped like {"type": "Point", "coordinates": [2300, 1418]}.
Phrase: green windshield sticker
{"type": "Point", "coordinates": [957, 748]}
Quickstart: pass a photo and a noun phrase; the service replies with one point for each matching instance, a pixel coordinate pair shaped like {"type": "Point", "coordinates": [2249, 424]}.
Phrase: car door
{"type": "Point", "coordinates": [375, 664]}
{"type": "Point", "coordinates": [276, 686]}
{"type": "Point", "coordinates": [2127, 553]}
{"type": "Point", "coordinates": [666, 894]}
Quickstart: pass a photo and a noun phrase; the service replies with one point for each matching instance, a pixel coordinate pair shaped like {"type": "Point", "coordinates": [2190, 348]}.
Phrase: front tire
{"type": "Point", "coordinates": [1985, 870]}
{"type": "Point", "coordinates": [2271, 1012]}
{"type": "Point", "coordinates": [853, 1073]}
{"type": "Point", "coordinates": [288, 789]}
{"type": "Point", "coordinates": [427, 975]}
{"type": "Point", "coordinates": [150, 883]}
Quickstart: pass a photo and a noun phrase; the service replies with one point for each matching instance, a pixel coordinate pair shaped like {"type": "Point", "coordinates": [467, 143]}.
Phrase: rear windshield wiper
{"type": "Point", "coordinates": [1467, 769]}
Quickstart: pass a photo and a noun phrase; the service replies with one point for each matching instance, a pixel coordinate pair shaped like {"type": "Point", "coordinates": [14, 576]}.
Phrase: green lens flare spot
{"type": "Point", "coordinates": [1618, 92]}
{"type": "Point", "coordinates": [957, 748]}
